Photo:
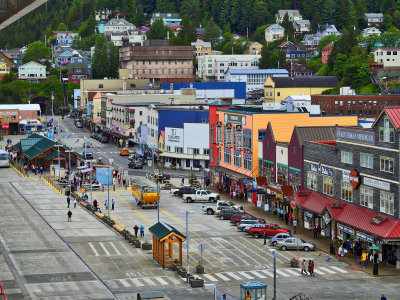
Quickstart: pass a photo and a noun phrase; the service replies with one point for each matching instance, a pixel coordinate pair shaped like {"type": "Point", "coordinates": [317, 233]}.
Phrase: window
{"type": "Point", "coordinates": [238, 140]}
{"type": "Point", "coordinates": [206, 151]}
{"type": "Point", "coordinates": [386, 134]}
{"type": "Point", "coordinates": [179, 150]}
{"type": "Point", "coordinates": [228, 137]}
{"type": "Point", "coordinates": [212, 134]}
{"type": "Point", "coordinates": [282, 174]}
{"type": "Point", "coordinates": [327, 185]}
{"type": "Point", "coordinates": [101, 86]}
{"type": "Point", "coordinates": [237, 159]}
{"type": "Point", "coordinates": [346, 157]}
{"type": "Point", "coordinates": [247, 162]}
{"type": "Point", "coordinates": [366, 197]}
{"type": "Point", "coordinates": [278, 94]}
{"type": "Point", "coordinates": [347, 191]}
{"type": "Point", "coordinates": [227, 156]}
{"type": "Point", "coordinates": [219, 134]}
{"type": "Point", "coordinates": [387, 203]}
{"type": "Point", "coordinates": [312, 180]}
{"type": "Point", "coordinates": [140, 113]}
{"type": "Point", "coordinates": [268, 170]}
{"type": "Point", "coordinates": [196, 151]}
{"type": "Point", "coordinates": [168, 148]}
{"type": "Point", "coordinates": [247, 141]}
{"type": "Point", "coordinates": [386, 164]}
{"type": "Point", "coordinates": [367, 160]}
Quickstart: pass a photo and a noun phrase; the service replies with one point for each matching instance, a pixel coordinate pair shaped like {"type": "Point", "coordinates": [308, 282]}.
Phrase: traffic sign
{"type": "Point", "coordinates": [293, 204]}
{"type": "Point", "coordinates": [156, 172]}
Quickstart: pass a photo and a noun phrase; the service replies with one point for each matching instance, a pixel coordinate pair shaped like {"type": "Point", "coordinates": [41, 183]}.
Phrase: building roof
{"type": "Point", "coordinates": [256, 71]}
{"type": "Point", "coordinates": [373, 15]}
{"type": "Point", "coordinates": [165, 15]}
{"type": "Point", "coordinates": [393, 113]}
{"type": "Point", "coordinates": [302, 22]}
{"type": "Point", "coordinates": [275, 26]}
{"type": "Point", "coordinates": [315, 133]}
{"type": "Point", "coordinates": [30, 63]}
{"type": "Point", "coordinates": [119, 22]}
{"type": "Point", "coordinates": [20, 106]}
{"type": "Point", "coordinates": [41, 144]}
{"type": "Point", "coordinates": [219, 103]}
{"type": "Point", "coordinates": [53, 154]}
{"type": "Point", "coordinates": [388, 48]}
{"type": "Point", "coordinates": [283, 12]}
{"type": "Point", "coordinates": [201, 43]}
{"type": "Point", "coordinates": [309, 81]}
{"type": "Point", "coordinates": [161, 230]}
{"type": "Point", "coordinates": [327, 47]}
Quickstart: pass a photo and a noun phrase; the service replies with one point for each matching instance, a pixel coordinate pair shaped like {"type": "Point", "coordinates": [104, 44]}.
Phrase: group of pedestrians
{"type": "Point", "coordinates": [317, 231]}
{"type": "Point", "coordinates": [310, 267]}
{"type": "Point", "coordinates": [31, 167]}
{"type": "Point", "coordinates": [136, 229]}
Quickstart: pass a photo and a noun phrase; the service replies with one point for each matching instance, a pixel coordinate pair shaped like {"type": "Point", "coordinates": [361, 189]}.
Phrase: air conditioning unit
{"type": "Point", "coordinates": [219, 123]}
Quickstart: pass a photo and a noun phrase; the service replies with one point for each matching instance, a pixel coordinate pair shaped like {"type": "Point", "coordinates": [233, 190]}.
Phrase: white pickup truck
{"type": "Point", "coordinates": [211, 209]}
{"type": "Point", "coordinates": [201, 195]}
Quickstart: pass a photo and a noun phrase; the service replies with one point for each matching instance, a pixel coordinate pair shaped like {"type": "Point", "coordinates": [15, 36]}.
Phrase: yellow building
{"type": "Point", "coordinates": [277, 89]}
{"type": "Point", "coordinates": [202, 48]}
{"type": "Point", "coordinates": [161, 141]}
{"type": "Point", "coordinates": [6, 64]}
{"type": "Point", "coordinates": [255, 48]}
{"type": "Point", "coordinates": [96, 109]}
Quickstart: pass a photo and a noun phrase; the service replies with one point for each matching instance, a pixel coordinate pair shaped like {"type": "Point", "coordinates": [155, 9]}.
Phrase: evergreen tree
{"type": "Point", "coordinates": [316, 21]}
{"type": "Point", "coordinates": [260, 14]}
{"type": "Point", "coordinates": [62, 27]}
{"type": "Point", "coordinates": [188, 32]}
{"type": "Point", "coordinates": [211, 32]}
{"type": "Point", "coordinates": [105, 60]}
{"type": "Point", "coordinates": [88, 27]}
{"type": "Point", "coordinates": [157, 30]}
{"type": "Point", "coordinates": [289, 29]}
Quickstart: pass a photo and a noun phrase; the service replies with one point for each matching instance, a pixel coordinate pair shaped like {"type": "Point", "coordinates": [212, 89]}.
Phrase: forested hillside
{"type": "Point", "coordinates": [240, 16]}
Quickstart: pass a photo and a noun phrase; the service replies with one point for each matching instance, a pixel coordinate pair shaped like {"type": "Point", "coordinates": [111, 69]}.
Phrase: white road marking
{"type": "Point", "coordinates": [104, 248]}
{"type": "Point", "coordinates": [282, 273]}
{"type": "Point", "coordinates": [245, 275]}
{"type": "Point", "coordinates": [257, 274]}
{"type": "Point", "coordinates": [160, 280]}
{"type": "Point", "coordinates": [318, 271]}
{"type": "Point", "coordinates": [136, 282]}
{"type": "Point", "coordinates": [210, 277]}
{"type": "Point", "coordinates": [233, 275]}
{"type": "Point", "coordinates": [173, 280]}
{"type": "Point", "coordinates": [293, 272]}
{"type": "Point", "coordinates": [115, 249]}
{"type": "Point", "coordinates": [93, 249]}
{"type": "Point", "coordinates": [148, 281]}
{"type": "Point", "coordinates": [327, 270]}
{"type": "Point", "coordinates": [267, 272]}
{"type": "Point", "coordinates": [124, 282]}
{"type": "Point", "coordinates": [126, 248]}
{"type": "Point", "coordinates": [338, 269]}
{"type": "Point", "coordinates": [222, 276]}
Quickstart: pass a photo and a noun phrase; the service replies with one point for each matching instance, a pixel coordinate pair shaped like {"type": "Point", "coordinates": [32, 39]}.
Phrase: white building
{"type": "Point", "coordinates": [135, 36]}
{"type": "Point", "coordinates": [274, 32]}
{"type": "Point", "coordinates": [254, 79]}
{"type": "Point", "coordinates": [169, 19]}
{"type": "Point", "coordinates": [213, 67]}
{"type": "Point", "coordinates": [118, 26]}
{"type": "Point", "coordinates": [301, 26]}
{"type": "Point", "coordinates": [387, 56]}
{"type": "Point", "coordinates": [294, 15]}
{"type": "Point", "coordinates": [370, 31]}
{"type": "Point", "coordinates": [373, 18]}
{"type": "Point", "coordinates": [32, 71]}
{"type": "Point", "coordinates": [65, 37]}
{"type": "Point", "coordinates": [186, 150]}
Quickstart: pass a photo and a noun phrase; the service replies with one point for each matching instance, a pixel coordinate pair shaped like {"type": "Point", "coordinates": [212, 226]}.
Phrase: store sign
{"type": "Point", "coordinates": [356, 136]}
{"type": "Point", "coordinates": [127, 115]}
{"type": "Point", "coordinates": [376, 183]}
{"type": "Point", "coordinates": [346, 229]}
{"type": "Point", "coordinates": [354, 179]}
{"type": "Point", "coordinates": [235, 119]}
{"type": "Point", "coordinates": [346, 175]}
{"type": "Point", "coordinates": [365, 237]}
{"type": "Point", "coordinates": [5, 126]}
{"type": "Point", "coordinates": [389, 242]}
{"type": "Point", "coordinates": [308, 215]}
{"type": "Point", "coordinates": [326, 217]}
{"type": "Point", "coordinates": [321, 169]}
{"type": "Point", "coordinates": [173, 137]}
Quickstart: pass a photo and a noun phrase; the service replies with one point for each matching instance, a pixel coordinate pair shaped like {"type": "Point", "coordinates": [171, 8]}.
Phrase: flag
{"type": "Point", "coordinates": [51, 121]}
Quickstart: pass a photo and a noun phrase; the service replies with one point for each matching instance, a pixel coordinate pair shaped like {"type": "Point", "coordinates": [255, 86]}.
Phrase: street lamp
{"type": "Point", "coordinates": [187, 212]}
{"type": "Point", "coordinates": [273, 251]}
{"type": "Point", "coordinates": [58, 158]}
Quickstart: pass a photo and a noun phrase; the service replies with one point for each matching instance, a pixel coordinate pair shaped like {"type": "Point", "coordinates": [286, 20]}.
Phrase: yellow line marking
{"type": "Point", "coordinates": [212, 264]}
{"type": "Point", "coordinates": [112, 216]}
{"type": "Point", "coordinates": [177, 221]}
{"type": "Point", "coordinates": [109, 158]}
{"type": "Point", "coordinates": [138, 213]}
{"type": "Point", "coordinates": [63, 126]}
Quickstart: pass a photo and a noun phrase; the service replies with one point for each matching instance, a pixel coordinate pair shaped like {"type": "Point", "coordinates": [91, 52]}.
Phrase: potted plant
{"type": "Point", "coordinates": [196, 282]}
{"type": "Point", "coordinates": [294, 263]}
{"type": "Point", "coordinates": [137, 243]}
{"type": "Point", "coordinates": [146, 246]}
{"type": "Point", "coordinates": [182, 272]}
{"type": "Point", "coordinates": [199, 269]}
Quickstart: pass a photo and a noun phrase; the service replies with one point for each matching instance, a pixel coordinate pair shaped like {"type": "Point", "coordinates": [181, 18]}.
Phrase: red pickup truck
{"type": "Point", "coordinates": [243, 216]}
{"type": "Point", "coordinates": [272, 229]}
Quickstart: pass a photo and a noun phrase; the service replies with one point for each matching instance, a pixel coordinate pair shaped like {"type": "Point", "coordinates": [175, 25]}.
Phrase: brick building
{"type": "Point", "coordinates": [365, 106]}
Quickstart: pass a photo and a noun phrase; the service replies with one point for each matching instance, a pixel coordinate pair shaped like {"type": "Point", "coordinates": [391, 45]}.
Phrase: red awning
{"type": "Point", "coordinates": [351, 215]}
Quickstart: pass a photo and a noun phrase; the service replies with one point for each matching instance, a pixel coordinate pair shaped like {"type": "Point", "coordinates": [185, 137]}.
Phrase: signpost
{"type": "Point", "coordinates": [202, 247]}
{"type": "Point", "coordinates": [156, 172]}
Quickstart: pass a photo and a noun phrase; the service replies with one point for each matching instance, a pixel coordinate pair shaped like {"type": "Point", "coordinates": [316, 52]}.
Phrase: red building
{"type": "Point", "coordinates": [326, 51]}
{"type": "Point", "coordinates": [365, 106]}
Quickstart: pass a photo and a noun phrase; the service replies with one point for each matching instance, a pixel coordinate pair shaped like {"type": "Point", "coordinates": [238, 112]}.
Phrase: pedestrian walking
{"type": "Point", "coordinates": [340, 252]}
{"type": "Point", "coordinates": [69, 214]}
{"type": "Point", "coordinates": [223, 297]}
{"type": "Point", "coordinates": [315, 232]}
{"type": "Point", "coordinates": [234, 195]}
{"type": "Point", "coordinates": [95, 204]}
{"type": "Point", "coordinates": [136, 229]}
{"type": "Point", "coordinates": [304, 267]}
{"type": "Point", "coordinates": [311, 267]}
{"type": "Point", "coordinates": [286, 218]}
{"type": "Point", "coordinates": [290, 219]}
{"type": "Point", "coordinates": [231, 195]}
{"type": "Point", "coordinates": [364, 259]}
{"type": "Point", "coordinates": [119, 180]}
{"type": "Point", "coordinates": [265, 235]}
{"type": "Point", "coordinates": [74, 202]}
{"type": "Point", "coordinates": [68, 201]}
{"type": "Point", "coordinates": [383, 297]}
{"type": "Point", "coordinates": [183, 181]}
{"type": "Point", "coordinates": [106, 204]}
{"type": "Point", "coordinates": [294, 225]}
{"type": "Point", "coordinates": [112, 204]}
{"type": "Point", "coordinates": [141, 231]}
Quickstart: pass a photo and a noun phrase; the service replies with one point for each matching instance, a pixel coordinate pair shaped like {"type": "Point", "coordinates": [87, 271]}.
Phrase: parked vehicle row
{"type": "Point", "coordinates": [200, 196]}
{"type": "Point", "coordinates": [99, 137]}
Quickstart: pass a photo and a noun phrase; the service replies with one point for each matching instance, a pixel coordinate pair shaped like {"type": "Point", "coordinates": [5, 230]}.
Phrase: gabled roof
{"type": "Point", "coordinates": [119, 21]}
{"type": "Point", "coordinates": [35, 144]}
{"type": "Point", "coordinates": [315, 133]}
{"type": "Point", "coordinates": [309, 81]}
{"type": "Point", "coordinates": [327, 47]}
{"type": "Point", "coordinates": [393, 113]}
{"type": "Point", "coordinates": [162, 230]}
{"type": "Point", "coordinates": [32, 63]}
{"type": "Point", "coordinates": [53, 154]}
{"type": "Point", "coordinates": [275, 26]}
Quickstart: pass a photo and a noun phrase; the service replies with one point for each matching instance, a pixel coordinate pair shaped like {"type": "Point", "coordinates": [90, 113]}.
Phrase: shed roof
{"type": "Point", "coordinates": [311, 81]}
{"type": "Point", "coordinates": [161, 230]}
{"type": "Point", "coordinates": [315, 133]}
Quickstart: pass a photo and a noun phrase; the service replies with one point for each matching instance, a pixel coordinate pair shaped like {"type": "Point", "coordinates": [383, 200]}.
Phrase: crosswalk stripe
{"type": "Point", "coordinates": [327, 270]}
{"type": "Point", "coordinates": [35, 288]}
{"type": "Point", "coordinates": [318, 272]}
{"type": "Point", "coordinates": [282, 273]}
{"type": "Point", "coordinates": [222, 276]}
{"type": "Point", "coordinates": [160, 280]}
{"type": "Point", "coordinates": [124, 282]}
{"type": "Point", "coordinates": [233, 275]}
{"type": "Point", "coordinates": [148, 281]}
{"type": "Point", "coordinates": [125, 248]}
{"type": "Point", "coordinates": [173, 280]}
{"type": "Point", "coordinates": [115, 249]}
{"type": "Point", "coordinates": [245, 275]}
{"type": "Point", "coordinates": [267, 272]}
{"type": "Point", "coordinates": [104, 248]}
{"type": "Point", "coordinates": [259, 275]}
{"type": "Point", "coordinates": [94, 249]}
{"type": "Point", "coordinates": [136, 282]}
{"type": "Point", "coordinates": [339, 269]}
{"type": "Point", "coordinates": [210, 277]}
{"type": "Point", "coordinates": [293, 272]}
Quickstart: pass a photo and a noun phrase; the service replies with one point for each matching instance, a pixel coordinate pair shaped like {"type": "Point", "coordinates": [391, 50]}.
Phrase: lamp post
{"type": "Point", "coordinates": [187, 212]}
{"type": "Point", "coordinates": [273, 252]}
{"type": "Point", "coordinates": [108, 185]}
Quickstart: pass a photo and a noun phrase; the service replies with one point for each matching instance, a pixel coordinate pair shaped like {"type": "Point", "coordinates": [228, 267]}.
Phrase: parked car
{"type": "Point", "coordinates": [211, 209]}
{"type": "Point", "coordinates": [187, 189]}
{"type": "Point", "coordinates": [295, 243]}
{"type": "Point", "coordinates": [135, 164]}
{"type": "Point", "coordinates": [201, 195]}
{"type": "Point", "coordinates": [236, 219]}
{"type": "Point", "coordinates": [244, 223]}
{"type": "Point", "coordinates": [103, 139]}
{"type": "Point", "coordinates": [227, 213]}
{"type": "Point", "coordinates": [271, 229]}
{"type": "Point", "coordinates": [279, 237]}
{"type": "Point", "coordinates": [124, 152]}
{"type": "Point", "coordinates": [87, 154]}
{"type": "Point", "coordinates": [78, 124]}
{"type": "Point", "coordinates": [238, 207]}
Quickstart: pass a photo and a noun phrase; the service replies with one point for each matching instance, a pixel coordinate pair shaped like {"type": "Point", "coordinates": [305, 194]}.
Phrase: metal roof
{"type": "Point", "coordinates": [306, 81]}
{"type": "Point", "coordinates": [256, 71]}
{"type": "Point", "coordinates": [315, 133]}
{"type": "Point", "coordinates": [393, 113]}
{"type": "Point", "coordinates": [20, 106]}
{"type": "Point", "coordinates": [161, 230]}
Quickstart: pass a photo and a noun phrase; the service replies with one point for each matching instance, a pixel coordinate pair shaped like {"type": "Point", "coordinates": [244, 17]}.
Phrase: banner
{"type": "Point", "coordinates": [104, 176]}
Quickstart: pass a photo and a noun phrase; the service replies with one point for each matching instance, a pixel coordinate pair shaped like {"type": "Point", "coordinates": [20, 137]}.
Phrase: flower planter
{"type": "Point", "coordinates": [199, 269]}
{"type": "Point", "coordinates": [194, 283]}
{"type": "Point", "coordinates": [294, 263]}
{"type": "Point", "coordinates": [137, 243]}
{"type": "Point", "coordinates": [182, 272]}
{"type": "Point", "coordinates": [146, 246]}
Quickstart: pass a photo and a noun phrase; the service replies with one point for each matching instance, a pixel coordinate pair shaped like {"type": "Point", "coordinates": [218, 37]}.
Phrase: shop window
{"type": "Point", "coordinates": [237, 159]}
{"type": "Point", "coordinates": [282, 175]}
{"type": "Point", "coordinates": [346, 157]}
{"type": "Point", "coordinates": [227, 156]}
{"type": "Point", "coordinates": [347, 191]}
{"type": "Point", "coordinates": [219, 135]}
{"type": "Point", "coordinates": [386, 134]}
{"type": "Point", "coordinates": [367, 160]}
{"type": "Point", "coordinates": [327, 185]}
{"type": "Point", "coordinates": [387, 203]}
{"type": "Point", "coordinates": [312, 180]}
{"type": "Point", "coordinates": [367, 197]}
{"type": "Point", "coordinates": [260, 168]}
{"type": "Point", "coordinates": [247, 162]}
{"type": "Point", "coordinates": [269, 171]}
{"type": "Point", "coordinates": [386, 164]}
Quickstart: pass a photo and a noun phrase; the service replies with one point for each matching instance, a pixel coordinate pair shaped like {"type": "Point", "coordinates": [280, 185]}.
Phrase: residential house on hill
{"type": "Point", "coordinates": [296, 51]}
{"type": "Point", "coordinates": [6, 63]}
{"type": "Point", "coordinates": [15, 54]}
{"type": "Point", "coordinates": [254, 48]}
{"type": "Point", "coordinates": [274, 32]}
{"type": "Point", "coordinates": [65, 38]}
{"type": "Point", "coordinates": [294, 15]}
{"type": "Point", "coordinates": [370, 31]}
{"type": "Point", "coordinates": [169, 19]}
{"type": "Point", "coordinates": [202, 47]}
{"type": "Point", "coordinates": [388, 57]}
{"type": "Point", "coordinates": [118, 25]}
{"type": "Point", "coordinates": [301, 26]}
{"type": "Point", "coordinates": [373, 18]}
{"type": "Point", "coordinates": [296, 69]}
{"type": "Point", "coordinates": [326, 51]}
{"type": "Point", "coordinates": [32, 71]}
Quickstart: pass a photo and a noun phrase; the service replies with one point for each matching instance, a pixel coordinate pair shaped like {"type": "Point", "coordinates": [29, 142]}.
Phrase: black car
{"type": "Point", "coordinates": [186, 190]}
{"type": "Point", "coordinates": [135, 164]}
{"type": "Point", "coordinates": [227, 213]}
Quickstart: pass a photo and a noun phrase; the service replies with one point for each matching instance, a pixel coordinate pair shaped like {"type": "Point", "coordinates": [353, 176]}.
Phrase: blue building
{"type": "Point", "coordinates": [176, 117]}
{"type": "Point", "coordinates": [211, 89]}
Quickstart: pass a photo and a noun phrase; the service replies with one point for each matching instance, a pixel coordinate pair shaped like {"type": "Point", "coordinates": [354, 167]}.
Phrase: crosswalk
{"type": "Point", "coordinates": [113, 248]}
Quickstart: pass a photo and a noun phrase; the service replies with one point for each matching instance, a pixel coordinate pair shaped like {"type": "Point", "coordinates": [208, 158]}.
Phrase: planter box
{"type": "Point", "coordinates": [182, 273]}
{"type": "Point", "coordinates": [194, 283]}
{"type": "Point", "coordinates": [138, 244]}
{"type": "Point", "coordinates": [147, 246]}
{"type": "Point", "coordinates": [294, 264]}
{"type": "Point", "coordinates": [199, 270]}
